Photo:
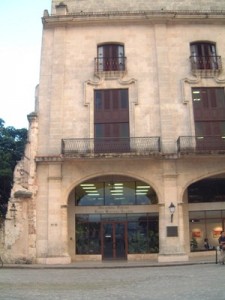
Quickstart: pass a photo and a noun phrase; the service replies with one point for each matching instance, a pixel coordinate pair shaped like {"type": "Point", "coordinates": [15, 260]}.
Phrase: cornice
{"type": "Point", "coordinates": [148, 15]}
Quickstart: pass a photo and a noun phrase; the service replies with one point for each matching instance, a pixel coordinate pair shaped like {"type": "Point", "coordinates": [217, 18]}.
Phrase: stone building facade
{"type": "Point", "coordinates": [129, 123]}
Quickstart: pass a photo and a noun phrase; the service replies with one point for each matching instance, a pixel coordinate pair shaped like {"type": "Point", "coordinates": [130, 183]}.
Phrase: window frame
{"type": "Point", "coordinates": [111, 57]}
{"type": "Point", "coordinates": [204, 55]}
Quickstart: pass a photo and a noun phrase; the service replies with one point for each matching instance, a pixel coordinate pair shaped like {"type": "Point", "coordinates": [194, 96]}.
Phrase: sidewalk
{"type": "Point", "coordinates": [115, 264]}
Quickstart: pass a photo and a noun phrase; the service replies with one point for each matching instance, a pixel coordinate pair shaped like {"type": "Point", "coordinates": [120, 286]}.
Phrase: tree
{"type": "Point", "coordinates": [12, 144]}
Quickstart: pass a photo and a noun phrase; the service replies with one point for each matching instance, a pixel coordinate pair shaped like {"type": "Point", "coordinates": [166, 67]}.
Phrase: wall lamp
{"type": "Point", "coordinates": [172, 210]}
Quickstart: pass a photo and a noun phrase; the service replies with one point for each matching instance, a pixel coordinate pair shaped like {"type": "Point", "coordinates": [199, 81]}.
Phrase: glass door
{"type": "Point", "coordinates": [114, 240]}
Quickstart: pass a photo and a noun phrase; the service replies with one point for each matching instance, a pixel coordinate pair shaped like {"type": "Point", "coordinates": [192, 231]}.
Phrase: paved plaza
{"type": "Point", "coordinates": [182, 282]}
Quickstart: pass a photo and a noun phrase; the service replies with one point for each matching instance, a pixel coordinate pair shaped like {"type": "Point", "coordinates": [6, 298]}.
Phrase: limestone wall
{"type": "Point", "coordinates": [158, 77]}
{"type": "Point", "coordinates": [134, 5]}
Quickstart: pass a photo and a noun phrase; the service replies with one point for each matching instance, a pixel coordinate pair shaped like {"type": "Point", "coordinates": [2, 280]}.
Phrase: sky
{"type": "Point", "coordinates": [20, 48]}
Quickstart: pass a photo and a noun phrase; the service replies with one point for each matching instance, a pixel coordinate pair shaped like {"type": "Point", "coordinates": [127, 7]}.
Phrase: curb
{"type": "Point", "coordinates": [90, 266]}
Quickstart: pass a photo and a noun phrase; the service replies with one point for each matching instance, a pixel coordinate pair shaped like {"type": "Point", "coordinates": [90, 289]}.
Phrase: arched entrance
{"type": "Point", "coordinates": [113, 217]}
{"type": "Point", "coordinates": [206, 200]}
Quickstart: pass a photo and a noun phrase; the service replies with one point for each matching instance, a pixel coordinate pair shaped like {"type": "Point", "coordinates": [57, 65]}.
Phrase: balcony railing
{"type": "Point", "coordinates": [188, 144]}
{"type": "Point", "coordinates": [206, 64]}
{"type": "Point", "coordinates": [112, 64]}
{"type": "Point", "coordinates": [101, 146]}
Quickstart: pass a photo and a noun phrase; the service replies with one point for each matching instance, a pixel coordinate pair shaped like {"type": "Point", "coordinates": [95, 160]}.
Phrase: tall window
{"type": "Point", "coordinates": [111, 57]}
{"type": "Point", "coordinates": [203, 56]}
{"type": "Point", "coordinates": [209, 115]}
{"type": "Point", "coordinates": [111, 120]}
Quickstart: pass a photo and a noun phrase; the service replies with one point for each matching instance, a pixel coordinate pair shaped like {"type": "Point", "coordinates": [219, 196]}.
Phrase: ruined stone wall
{"type": "Point", "coordinates": [19, 233]}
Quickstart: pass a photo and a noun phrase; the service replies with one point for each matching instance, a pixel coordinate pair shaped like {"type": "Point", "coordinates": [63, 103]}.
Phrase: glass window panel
{"type": "Point", "coordinates": [124, 99]}
{"type": "Point", "coordinates": [94, 238]}
{"type": "Point", "coordinates": [220, 97]}
{"type": "Point", "coordinates": [89, 194]}
{"type": "Point", "coordinates": [94, 218]}
{"type": "Point", "coordinates": [107, 98]}
{"type": "Point", "coordinates": [145, 194]}
{"type": "Point", "coordinates": [210, 220]}
{"type": "Point", "coordinates": [99, 130]}
{"type": "Point", "coordinates": [82, 218]}
{"type": "Point", "coordinates": [114, 193]}
{"type": "Point", "coordinates": [196, 214]}
{"type": "Point", "coordinates": [113, 217]}
{"type": "Point", "coordinates": [82, 238]}
{"type": "Point", "coordinates": [100, 58]}
{"type": "Point", "coordinates": [129, 193]}
{"type": "Point", "coordinates": [137, 237]}
{"type": "Point", "coordinates": [207, 191]}
{"type": "Point", "coordinates": [124, 130]}
{"type": "Point", "coordinates": [88, 238]}
{"type": "Point", "coordinates": [120, 51]}
{"type": "Point", "coordinates": [213, 214]}
{"type": "Point", "coordinates": [98, 99]}
{"type": "Point", "coordinates": [135, 217]}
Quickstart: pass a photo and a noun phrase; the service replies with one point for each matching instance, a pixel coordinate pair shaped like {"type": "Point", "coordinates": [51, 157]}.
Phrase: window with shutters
{"type": "Point", "coordinates": [111, 120]}
{"type": "Point", "coordinates": [209, 116]}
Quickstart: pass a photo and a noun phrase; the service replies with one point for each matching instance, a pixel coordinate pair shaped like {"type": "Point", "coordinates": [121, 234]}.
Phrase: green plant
{"type": "Point", "coordinates": [193, 244]}
{"type": "Point", "coordinates": [153, 239]}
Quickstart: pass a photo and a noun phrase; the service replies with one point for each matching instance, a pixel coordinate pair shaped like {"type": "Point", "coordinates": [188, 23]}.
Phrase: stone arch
{"type": "Point", "coordinates": [100, 209]}
{"type": "Point", "coordinates": [198, 178]}
{"type": "Point", "coordinates": [73, 184]}
{"type": "Point", "coordinates": [203, 214]}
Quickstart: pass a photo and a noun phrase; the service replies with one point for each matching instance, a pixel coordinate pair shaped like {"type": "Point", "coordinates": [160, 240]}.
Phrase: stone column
{"type": "Point", "coordinates": [171, 242]}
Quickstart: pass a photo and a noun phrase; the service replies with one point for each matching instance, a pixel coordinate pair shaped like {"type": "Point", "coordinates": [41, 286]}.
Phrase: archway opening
{"type": "Point", "coordinates": [206, 200]}
{"type": "Point", "coordinates": [115, 216]}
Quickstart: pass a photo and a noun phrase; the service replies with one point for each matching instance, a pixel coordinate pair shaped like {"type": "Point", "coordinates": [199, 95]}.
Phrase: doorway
{"type": "Point", "coordinates": [114, 240]}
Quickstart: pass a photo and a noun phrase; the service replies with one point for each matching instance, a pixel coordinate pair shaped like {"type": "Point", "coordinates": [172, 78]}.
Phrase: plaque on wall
{"type": "Point", "coordinates": [172, 231]}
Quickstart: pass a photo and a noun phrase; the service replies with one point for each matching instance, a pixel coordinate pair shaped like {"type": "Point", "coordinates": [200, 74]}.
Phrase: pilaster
{"type": "Point", "coordinates": [171, 227]}
{"type": "Point", "coordinates": [54, 223]}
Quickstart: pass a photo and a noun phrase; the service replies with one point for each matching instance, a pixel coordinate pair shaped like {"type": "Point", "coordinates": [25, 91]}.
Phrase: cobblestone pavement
{"type": "Point", "coordinates": [195, 282]}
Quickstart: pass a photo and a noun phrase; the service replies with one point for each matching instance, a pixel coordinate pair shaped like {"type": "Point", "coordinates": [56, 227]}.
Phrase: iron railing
{"type": "Point", "coordinates": [210, 63]}
{"type": "Point", "coordinates": [106, 64]}
{"type": "Point", "coordinates": [96, 146]}
{"type": "Point", "coordinates": [200, 143]}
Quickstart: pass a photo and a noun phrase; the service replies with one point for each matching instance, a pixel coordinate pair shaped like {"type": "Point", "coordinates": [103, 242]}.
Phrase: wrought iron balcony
{"type": "Point", "coordinates": [113, 146]}
{"type": "Point", "coordinates": [206, 64]}
{"type": "Point", "coordinates": [189, 144]}
{"type": "Point", "coordinates": [112, 64]}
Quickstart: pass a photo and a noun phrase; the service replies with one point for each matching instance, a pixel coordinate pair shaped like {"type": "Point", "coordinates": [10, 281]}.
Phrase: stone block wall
{"type": "Point", "coordinates": [75, 6]}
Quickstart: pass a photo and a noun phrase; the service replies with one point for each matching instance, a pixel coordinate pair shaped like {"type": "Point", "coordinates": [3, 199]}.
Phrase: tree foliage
{"type": "Point", "coordinates": [12, 144]}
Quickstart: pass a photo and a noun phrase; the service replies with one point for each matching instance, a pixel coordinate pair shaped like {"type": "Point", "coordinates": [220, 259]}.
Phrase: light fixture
{"type": "Point", "coordinates": [172, 210]}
